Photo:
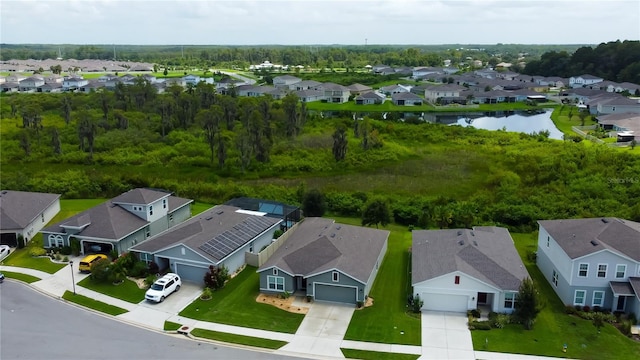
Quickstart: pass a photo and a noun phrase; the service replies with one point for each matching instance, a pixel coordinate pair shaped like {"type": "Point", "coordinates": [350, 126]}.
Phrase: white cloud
{"type": "Point", "coordinates": [318, 22]}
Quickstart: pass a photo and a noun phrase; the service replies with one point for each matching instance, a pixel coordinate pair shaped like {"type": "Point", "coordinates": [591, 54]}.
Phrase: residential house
{"type": "Point", "coordinates": [31, 84]}
{"type": "Point", "coordinates": [15, 78]}
{"type": "Point", "coordinates": [370, 98]}
{"type": "Point", "coordinates": [191, 79]}
{"type": "Point", "coordinates": [592, 262]}
{"type": "Point", "coordinates": [326, 260]}
{"type": "Point", "coordinates": [75, 82]}
{"type": "Point", "coordinates": [286, 82]}
{"type": "Point", "coordinates": [334, 93]}
{"type": "Point", "coordinates": [358, 89]}
{"type": "Point", "coordinates": [309, 95]}
{"type": "Point", "coordinates": [435, 93]}
{"type": "Point", "coordinates": [53, 79]}
{"type": "Point", "coordinates": [407, 98]}
{"type": "Point", "coordinates": [461, 269]}
{"type": "Point", "coordinates": [377, 69]}
{"type": "Point", "coordinates": [217, 237]}
{"type": "Point", "coordinates": [395, 89]}
{"type": "Point", "coordinates": [25, 214]}
{"type": "Point", "coordinates": [91, 87]}
{"type": "Point", "coordinates": [426, 71]}
{"type": "Point", "coordinates": [51, 88]}
{"type": "Point", "coordinates": [9, 87]}
{"type": "Point", "coordinates": [306, 85]}
{"type": "Point", "coordinates": [621, 122]}
{"type": "Point", "coordinates": [583, 80]}
{"type": "Point", "coordinates": [494, 97]}
{"type": "Point", "coordinates": [121, 222]}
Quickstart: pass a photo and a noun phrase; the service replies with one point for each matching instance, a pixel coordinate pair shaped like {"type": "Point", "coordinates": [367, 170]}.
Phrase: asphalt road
{"type": "Point", "coordinates": [34, 326]}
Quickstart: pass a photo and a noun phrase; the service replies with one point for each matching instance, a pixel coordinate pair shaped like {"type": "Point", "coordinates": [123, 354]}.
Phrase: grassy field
{"type": "Point", "coordinates": [127, 290]}
{"type": "Point", "coordinates": [567, 117]}
{"type": "Point", "coordinates": [387, 320]}
{"type": "Point", "coordinates": [22, 277]}
{"type": "Point", "coordinates": [554, 328]}
{"type": "Point", "coordinates": [93, 304]}
{"type": "Point", "coordinates": [21, 258]}
{"type": "Point", "coordinates": [238, 339]}
{"type": "Point", "coordinates": [376, 355]}
{"type": "Point", "coordinates": [236, 305]}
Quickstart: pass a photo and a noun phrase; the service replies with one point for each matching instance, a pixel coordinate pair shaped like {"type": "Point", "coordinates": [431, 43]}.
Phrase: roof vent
{"type": "Point", "coordinates": [4, 192]}
{"type": "Point", "coordinates": [333, 235]}
{"type": "Point", "coordinates": [606, 221]}
{"type": "Point", "coordinates": [461, 242]}
{"type": "Point", "coordinates": [594, 243]}
{"type": "Point", "coordinates": [219, 212]}
{"type": "Point", "coordinates": [475, 243]}
{"type": "Point", "coordinates": [459, 232]}
{"type": "Point", "coordinates": [338, 227]}
{"type": "Point", "coordinates": [472, 234]}
{"type": "Point", "coordinates": [209, 218]}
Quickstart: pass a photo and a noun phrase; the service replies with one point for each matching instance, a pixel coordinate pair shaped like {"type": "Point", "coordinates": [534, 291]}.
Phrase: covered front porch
{"type": "Point", "coordinates": [625, 298]}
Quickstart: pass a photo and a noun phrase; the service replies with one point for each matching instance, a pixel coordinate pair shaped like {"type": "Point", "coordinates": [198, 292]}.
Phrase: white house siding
{"type": "Point", "coordinates": [41, 221]}
{"type": "Point", "coordinates": [468, 286]}
{"type": "Point", "coordinates": [546, 266]}
{"type": "Point", "coordinates": [374, 273]}
{"type": "Point", "coordinates": [554, 253]}
{"type": "Point", "coordinates": [178, 216]}
{"type": "Point", "coordinates": [617, 109]}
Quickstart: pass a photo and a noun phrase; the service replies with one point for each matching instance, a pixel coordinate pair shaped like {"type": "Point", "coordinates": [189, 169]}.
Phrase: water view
{"type": "Point", "coordinates": [517, 121]}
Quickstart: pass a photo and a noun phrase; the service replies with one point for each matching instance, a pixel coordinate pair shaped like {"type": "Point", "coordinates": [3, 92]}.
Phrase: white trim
{"type": "Point", "coordinates": [587, 270]}
{"type": "Point", "coordinates": [584, 297]}
{"type": "Point", "coordinates": [593, 298]}
{"type": "Point", "coordinates": [279, 269]}
{"type": "Point", "coordinates": [334, 284]}
{"type": "Point", "coordinates": [458, 272]}
{"type": "Point", "coordinates": [603, 250]}
{"type": "Point", "coordinates": [335, 276]}
{"type": "Point", "coordinates": [606, 270]}
{"type": "Point", "coordinates": [624, 272]}
{"type": "Point", "coordinates": [284, 285]}
{"type": "Point", "coordinates": [156, 253]}
{"type": "Point", "coordinates": [554, 277]}
{"type": "Point", "coordinates": [338, 270]}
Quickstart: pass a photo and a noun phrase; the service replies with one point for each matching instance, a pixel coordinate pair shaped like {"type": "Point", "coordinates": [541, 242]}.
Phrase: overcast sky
{"type": "Point", "coordinates": [261, 22]}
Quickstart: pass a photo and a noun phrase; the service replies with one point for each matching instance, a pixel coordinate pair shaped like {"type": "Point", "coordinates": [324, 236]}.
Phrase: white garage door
{"type": "Point", "coordinates": [444, 302]}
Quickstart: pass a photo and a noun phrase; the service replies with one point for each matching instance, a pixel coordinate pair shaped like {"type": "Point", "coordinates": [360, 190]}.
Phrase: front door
{"type": "Point", "coordinates": [482, 298]}
{"type": "Point", "coordinates": [621, 303]}
{"type": "Point", "coordinates": [304, 284]}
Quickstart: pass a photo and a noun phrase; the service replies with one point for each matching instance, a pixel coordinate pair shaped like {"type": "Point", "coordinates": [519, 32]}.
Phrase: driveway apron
{"type": "Point", "coordinates": [445, 335]}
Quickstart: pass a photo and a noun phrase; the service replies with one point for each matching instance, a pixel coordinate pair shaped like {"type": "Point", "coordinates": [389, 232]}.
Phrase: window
{"type": "Point", "coordinates": [621, 271]}
{"type": "Point", "coordinates": [598, 298]}
{"type": "Point", "coordinates": [602, 270]}
{"type": "Point", "coordinates": [457, 280]}
{"type": "Point", "coordinates": [548, 240]}
{"type": "Point", "coordinates": [251, 247]}
{"type": "Point", "coordinates": [510, 300]}
{"type": "Point", "coordinates": [554, 278]}
{"type": "Point", "coordinates": [42, 217]}
{"type": "Point", "coordinates": [578, 298]}
{"type": "Point", "coordinates": [164, 203]}
{"type": "Point", "coordinates": [584, 269]}
{"type": "Point", "coordinates": [275, 283]}
{"type": "Point", "coordinates": [150, 209]}
{"type": "Point", "coordinates": [335, 276]}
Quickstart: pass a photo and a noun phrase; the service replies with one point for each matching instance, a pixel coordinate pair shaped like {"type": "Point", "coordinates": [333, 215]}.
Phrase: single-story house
{"type": "Point", "coordinates": [370, 98]}
{"type": "Point", "coordinates": [121, 222]}
{"type": "Point", "coordinates": [406, 98]}
{"type": "Point", "coordinates": [395, 89]}
{"type": "Point", "coordinates": [326, 261]}
{"type": "Point", "coordinates": [626, 122]}
{"type": "Point", "coordinates": [25, 213]}
{"type": "Point", "coordinates": [592, 262]}
{"type": "Point", "coordinates": [286, 82]}
{"type": "Point", "coordinates": [584, 80]}
{"type": "Point", "coordinates": [217, 237]}
{"type": "Point", "coordinates": [458, 270]}
{"type": "Point", "coordinates": [359, 89]}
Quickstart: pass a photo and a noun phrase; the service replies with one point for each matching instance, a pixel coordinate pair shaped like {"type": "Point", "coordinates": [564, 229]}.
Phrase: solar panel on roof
{"type": "Point", "coordinates": [225, 243]}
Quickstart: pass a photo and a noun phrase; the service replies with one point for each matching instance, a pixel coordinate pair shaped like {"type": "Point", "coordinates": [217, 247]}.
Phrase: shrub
{"type": "Point", "coordinates": [360, 304]}
{"type": "Point", "coordinates": [216, 277]}
{"type": "Point", "coordinates": [65, 250]}
{"type": "Point", "coordinates": [532, 256]}
{"type": "Point", "coordinates": [492, 315]}
{"type": "Point", "coordinates": [117, 274]}
{"type": "Point", "coordinates": [65, 259]}
{"type": "Point", "coordinates": [277, 233]}
{"type": "Point", "coordinates": [75, 246]}
{"type": "Point", "coordinates": [500, 321]}
{"type": "Point", "coordinates": [37, 251]}
{"type": "Point", "coordinates": [113, 254]}
{"type": "Point", "coordinates": [586, 308]}
{"type": "Point", "coordinates": [632, 318]}
{"type": "Point", "coordinates": [21, 242]}
{"type": "Point", "coordinates": [153, 268]}
{"type": "Point", "coordinates": [479, 325]}
{"type": "Point", "coordinates": [58, 257]}
{"type": "Point", "coordinates": [475, 313]}
{"type": "Point", "coordinates": [285, 295]}
{"type": "Point", "coordinates": [149, 280]}
{"type": "Point", "coordinates": [570, 309]}
{"type": "Point", "coordinates": [415, 303]}
{"type": "Point", "coordinates": [101, 270]}
{"type": "Point", "coordinates": [206, 294]}
{"type": "Point", "coordinates": [138, 270]}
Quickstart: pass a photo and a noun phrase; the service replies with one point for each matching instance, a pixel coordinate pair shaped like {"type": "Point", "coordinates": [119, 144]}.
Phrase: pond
{"type": "Point", "coordinates": [517, 121]}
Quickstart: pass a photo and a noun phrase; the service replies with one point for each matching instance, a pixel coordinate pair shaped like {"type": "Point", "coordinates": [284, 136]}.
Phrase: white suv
{"type": "Point", "coordinates": [163, 287]}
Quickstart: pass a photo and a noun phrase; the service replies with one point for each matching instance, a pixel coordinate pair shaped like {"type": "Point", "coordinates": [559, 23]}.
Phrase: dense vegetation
{"type": "Point", "coordinates": [615, 61]}
{"type": "Point", "coordinates": [213, 148]}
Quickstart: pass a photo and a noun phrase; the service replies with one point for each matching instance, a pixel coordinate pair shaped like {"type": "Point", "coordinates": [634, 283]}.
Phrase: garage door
{"type": "Point", "coordinates": [335, 293]}
{"type": "Point", "coordinates": [9, 239]}
{"type": "Point", "coordinates": [189, 273]}
{"type": "Point", "coordinates": [444, 302]}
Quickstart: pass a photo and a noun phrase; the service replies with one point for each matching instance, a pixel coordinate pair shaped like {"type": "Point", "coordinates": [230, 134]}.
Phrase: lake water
{"type": "Point", "coordinates": [517, 121]}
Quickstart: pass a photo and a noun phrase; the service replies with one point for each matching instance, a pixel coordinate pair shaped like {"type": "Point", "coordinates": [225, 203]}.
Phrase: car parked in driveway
{"type": "Point", "coordinates": [5, 250]}
{"type": "Point", "coordinates": [87, 261]}
{"type": "Point", "coordinates": [163, 287]}
{"type": "Point", "coordinates": [1, 278]}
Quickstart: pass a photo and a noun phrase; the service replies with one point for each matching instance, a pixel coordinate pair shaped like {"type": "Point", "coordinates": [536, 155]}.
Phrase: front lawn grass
{"type": "Point", "coordinates": [553, 327]}
{"type": "Point", "coordinates": [238, 339]}
{"type": "Point", "coordinates": [127, 290]}
{"type": "Point", "coordinates": [22, 277]}
{"type": "Point", "coordinates": [236, 304]}
{"type": "Point", "coordinates": [376, 355]}
{"type": "Point", "coordinates": [387, 321]}
{"type": "Point", "coordinates": [171, 326]}
{"type": "Point", "coordinates": [22, 258]}
{"type": "Point", "coordinates": [93, 304]}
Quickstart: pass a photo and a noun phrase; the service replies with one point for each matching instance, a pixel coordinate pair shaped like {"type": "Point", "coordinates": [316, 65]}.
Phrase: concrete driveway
{"type": "Point", "coordinates": [445, 335]}
{"type": "Point", "coordinates": [322, 330]}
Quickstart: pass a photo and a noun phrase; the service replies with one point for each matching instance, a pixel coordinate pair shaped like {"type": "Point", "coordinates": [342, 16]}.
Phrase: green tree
{"type": "Point", "coordinates": [87, 130]}
{"type": "Point", "coordinates": [216, 277]}
{"type": "Point", "coordinates": [66, 108]}
{"type": "Point", "coordinates": [25, 143]}
{"type": "Point", "coordinates": [208, 122]}
{"type": "Point", "coordinates": [340, 143]}
{"type": "Point", "coordinates": [598, 320]}
{"type": "Point", "coordinates": [314, 203]}
{"type": "Point", "coordinates": [527, 304]}
{"type": "Point", "coordinates": [376, 212]}
{"type": "Point", "coordinates": [55, 141]}
{"type": "Point", "coordinates": [293, 117]}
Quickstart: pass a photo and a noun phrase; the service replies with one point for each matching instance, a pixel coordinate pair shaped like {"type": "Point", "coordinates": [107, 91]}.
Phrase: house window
{"type": "Point", "coordinates": [510, 300]}
{"type": "Point", "coordinates": [164, 203]}
{"type": "Point", "coordinates": [554, 278]}
{"type": "Point", "coordinates": [602, 270]}
{"type": "Point", "coordinates": [335, 276]}
{"type": "Point", "coordinates": [578, 298]}
{"type": "Point", "coordinates": [584, 269]}
{"type": "Point", "coordinates": [457, 280]}
{"type": "Point", "coordinates": [42, 217]}
{"type": "Point", "coordinates": [548, 240]}
{"type": "Point", "coordinates": [621, 271]}
{"type": "Point", "coordinates": [275, 271]}
{"type": "Point", "coordinates": [275, 283]}
{"type": "Point", "coordinates": [598, 298]}
{"type": "Point", "coordinates": [150, 209]}
{"type": "Point", "coordinates": [251, 247]}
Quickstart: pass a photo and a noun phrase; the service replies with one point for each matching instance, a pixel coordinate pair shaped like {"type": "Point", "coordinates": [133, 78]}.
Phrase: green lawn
{"type": "Point", "coordinates": [127, 290]}
{"type": "Point", "coordinates": [198, 207]}
{"type": "Point", "coordinates": [376, 355]}
{"type": "Point", "coordinates": [238, 339]}
{"type": "Point", "coordinates": [22, 277]}
{"type": "Point", "coordinates": [171, 326]}
{"type": "Point", "coordinates": [387, 321]}
{"type": "Point", "coordinates": [236, 305]}
{"type": "Point", "coordinates": [21, 258]}
{"type": "Point", "coordinates": [554, 327]}
{"type": "Point", "coordinates": [566, 116]}
{"type": "Point", "coordinates": [93, 304]}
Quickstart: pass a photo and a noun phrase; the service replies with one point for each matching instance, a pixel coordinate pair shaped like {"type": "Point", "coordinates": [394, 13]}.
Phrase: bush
{"type": "Point", "coordinates": [285, 295]}
{"type": "Point", "coordinates": [206, 294]}
{"type": "Point", "coordinates": [586, 308]}
{"type": "Point", "coordinates": [113, 254]}
{"type": "Point", "coordinates": [277, 233]}
{"type": "Point", "coordinates": [58, 257]}
{"type": "Point", "coordinates": [492, 315]}
{"type": "Point", "coordinates": [153, 268]}
{"type": "Point", "coordinates": [138, 270]}
{"type": "Point", "coordinates": [500, 321]}
{"type": "Point", "coordinates": [20, 240]}
{"type": "Point", "coordinates": [65, 250]}
{"type": "Point", "coordinates": [216, 277]}
{"type": "Point", "coordinates": [475, 313]}
{"type": "Point", "coordinates": [532, 256]}
{"type": "Point", "coordinates": [37, 251]}
{"type": "Point", "coordinates": [65, 259]}
{"type": "Point", "coordinates": [479, 325]}
{"type": "Point", "coordinates": [149, 280]}
{"type": "Point", "coordinates": [571, 310]}
{"type": "Point", "coordinates": [632, 318]}
{"type": "Point", "coordinates": [101, 270]}
{"type": "Point", "coordinates": [75, 246]}
{"type": "Point", "coordinates": [360, 304]}
{"type": "Point", "coordinates": [415, 303]}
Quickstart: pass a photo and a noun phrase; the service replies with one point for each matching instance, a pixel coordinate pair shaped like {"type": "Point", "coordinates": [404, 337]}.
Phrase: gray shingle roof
{"type": "Point", "coordinates": [580, 237]}
{"type": "Point", "coordinates": [216, 225]}
{"type": "Point", "coordinates": [318, 245]}
{"type": "Point", "coordinates": [485, 253]}
{"type": "Point", "coordinates": [140, 196]}
{"type": "Point", "coordinates": [621, 288]}
{"type": "Point", "coordinates": [19, 208]}
{"type": "Point", "coordinates": [405, 96]}
{"type": "Point", "coordinates": [635, 285]}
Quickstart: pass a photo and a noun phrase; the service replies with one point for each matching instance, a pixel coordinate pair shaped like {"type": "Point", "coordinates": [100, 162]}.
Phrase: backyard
{"type": "Point", "coordinates": [553, 327]}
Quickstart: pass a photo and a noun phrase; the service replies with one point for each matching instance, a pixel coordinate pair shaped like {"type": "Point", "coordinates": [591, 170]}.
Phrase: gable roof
{"type": "Point", "coordinates": [358, 87]}
{"type": "Point", "coordinates": [580, 237]}
{"type": "Point", "coordinates": [19, 208]}
{"type": "Point", "coordinates": [405, 96]}
{"type": "Point", "coordinates": [318, 245]}
{"type": "Point", "coordinates": [214, 234]}
{"type": "Point", "coordinates": [140, 196]}
{"type": "Point", "coordinates": [485, 253]}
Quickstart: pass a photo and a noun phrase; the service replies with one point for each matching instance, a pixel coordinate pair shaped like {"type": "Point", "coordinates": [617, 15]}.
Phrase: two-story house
{"type": "Point", "coordinates": [592, 262]}
{"type": "Point", "coordinates": [73, 82]}
{"type": "Point", "coordinates": [584, 80]}
{"type": "Point", "coordinates": [31, 84]}
{"type": "Point", "coordinates": [334, 93]}
{"type": "Point", "coordinates": [121, 222]}
{"type": "Point", "coordinates": [286, 82]}
{"type": "Point", "coordinates": [443, 92]}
